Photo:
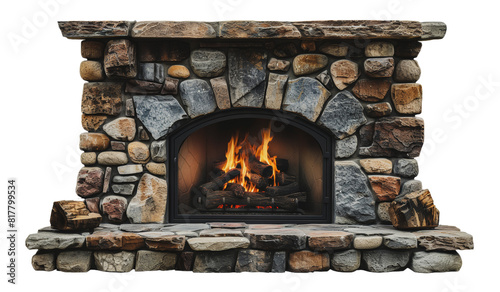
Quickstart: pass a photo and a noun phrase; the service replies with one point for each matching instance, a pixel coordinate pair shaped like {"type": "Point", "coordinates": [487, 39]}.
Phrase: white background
{"type": "Point", "coordinates": [40, 126]}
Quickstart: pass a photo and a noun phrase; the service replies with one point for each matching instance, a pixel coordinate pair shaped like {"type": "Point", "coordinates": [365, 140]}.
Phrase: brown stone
{"type": "Point", "coordinates": [121, 129]}
{"type": "Point", "coordinates": [376, 165]}
{"type": "Point", "coordinates": [148, 205]}
{"type": "Point", "coordinates": [73, 216]}
{"type": "Point", "coordinates": [173, 29]}
{"type": "Point", "coordinates": [409, 49]}
{"type": "Point", "coordinates": [258, 29]}
{"type": "Point", "coordinates": [378, 110]}
{"type": "Point", "coordinates": [366, 134]}
{"type": "Point", "coordinates": [102, 98]}
{"type": "Point", "coordinates": [138, 152]}
{"type": "Point", "coordinates": [156, 168]}
{"type": "Point", "coordinates": [92, 123]}
{"type": "Point", "coordinates": [117, 146]}
{"type": "Point", "coordinates": [414, 211]}
{"type": "Point", "coordinates": [379, 67]}
{"type": "Point", "coordinates": [107, 179]}
{"type": "Point", "coordinates": [170, 86]}
{"type": "Point", "coordinates": [178, 71]}
{"type": "Point", "coordinates": [163, 51]}
{"type": "Point", "coordinates": [114, 240]}
{"type": "Point", "coordinates": [308, 63]}
{"type": "Point", "coordinates": [386, 188]}
{"type": "Point", "coordinates": [444, 240]}
{"type": "Point", "coordinates": [371, 89]}
{"type": "Point", "coordinates": [165, 242]}
{"type": "Point", "coordinates": [276, 239]}
{"type": "Point", "coordinates": [275, 89]}
{"type": "Point", "coordinates": [89, 181]}
{"type": "Point", "coordinates": [278, 65]}
{"type": "Point", "coordinates": [407, 71]}
{"type": "Point", "coordinates": [92, 49]}
{"type": "Point", "coordinates": [308, 261]}
{"type": "Point", "coordinates": [114, 207]}
{"type": "Point", "coordinates": [336, 50]}
{"type": "Point", "coordinates": [112, 158]}
{"type": "Point", "coordinates": [143, 87]}
{"type": "Point", "coordinates": [94, 29]}
{"type": "Point", "coordinates": [308, 46]}
{"type": "Point", "coordinates": [92, 204]}
{"type": "Point", "coordinates": [88, 158]}
{"type": "Point", "coordinates": [91, 71]}
{"type": "Point", "coordinates": [379, 49]}
{"type": "Point", "coordinates": [120, 59]}
{"type": "Point", "coordinates": [407, 98]}
{"type": "Point", "coordinates": [221, 92]}
{"type": "Point", "coordinates": [329, 240]}
{"type": "Point", "coordinates": [396, 136]}
{"type": "Point", "coordinates": [185, 261]}
{"type": "Point", "coordinates": [344, 72]}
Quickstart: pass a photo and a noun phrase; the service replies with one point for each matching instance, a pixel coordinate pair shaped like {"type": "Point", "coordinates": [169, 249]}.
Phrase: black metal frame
{"type": "Point", "coordinates": [324, 139]}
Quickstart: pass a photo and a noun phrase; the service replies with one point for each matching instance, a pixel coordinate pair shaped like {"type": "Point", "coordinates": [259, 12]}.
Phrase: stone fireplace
{"type": "Point", "coordinates": [250, 146]}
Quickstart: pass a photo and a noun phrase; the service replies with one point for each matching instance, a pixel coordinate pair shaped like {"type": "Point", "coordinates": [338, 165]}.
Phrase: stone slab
{"type": "Point", "coordinates": [217, 243]}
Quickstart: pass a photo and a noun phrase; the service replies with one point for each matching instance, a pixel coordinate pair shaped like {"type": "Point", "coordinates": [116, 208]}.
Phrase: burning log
{"type": "Point", "coordinates": [282, 164]}
{"type": "Point", "coordinates": [284, 179]}
{"type": "Point", "coordinates": [260, 168]}
{"type": "Point", "coordinates": [237, 189]}
{"type": "Point", "coordinates": [259, 182]}
{"type": "Point", "coordinates": [217, 198]}
{"type": "Point", "coordinates": [220, 181]}
{"type": "Point", "coordinates": [283, 190]}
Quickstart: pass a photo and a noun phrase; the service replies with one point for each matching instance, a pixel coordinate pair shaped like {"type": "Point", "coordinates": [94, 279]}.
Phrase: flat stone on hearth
{"type": "Point", "coordinates": [165, 241]}
{"type": "Point", "coordinates": [109, 261]}
{"type": "Point", "coordinates": [217, 243]}
{"type": "Point", "coordinates": [198, 97]}
{"type": "Point", "coordinates": [53, 240]}
{"type": "Point", "coordinates": [305, 96]}
{"type": "Point", "coordinates": [186, 227]}
{"type": "Point", "coordinates": [444, 240]}
{"type": "Point", "coordinates": [228, 225]}
{"type": "Point", "coordinates": [247, 77]}
{"type": "Point", "coordinates": [136, 228]}
{"type": "Point", "coordinates": [367, 242]}
{"type": "Point", "coordinates": [220, 232]}
{"type": "Point", "coordinates": [276, 239]}
{"type": "Point", "coordinates": [401, 241]}
{"type": "Point", "coordinates": [114, 240]}
{"type": "Point", "coordinates": [329, 240]}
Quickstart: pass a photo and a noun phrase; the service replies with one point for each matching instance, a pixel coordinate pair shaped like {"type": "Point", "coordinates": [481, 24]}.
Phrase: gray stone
{"type": "Point", "coordinates": [208, 63]}
{"type": "Point", "coordinates": [125, 179]}
{"type": "Point", "coordinates": [187, 234]}
{"type": "Point", "coordinates": [74, 261]}
{"type": "Point", "coordinates": [220, 232]}
{"type": "Point", "coordinates": [217, 243]}
{"type": "Point", "coordinates": [325, 79]}
{"type": "Point", "coordinates": [136, 228]}
{"type": "Point", "coordinates": [367, 242]}
{"type": "Point", "coordinates": [147, 260]}
{"type": "Point", "coordinates": [383, 212]}
{"type": "Point", "coordinates": [353, 197]}
{"type": "Point", "coordinates": [112, 158]}
{"type": "Point", "coordinates": [154, 72]}
{"type": "Point", "coordinates": [275, 88]}
{"type": "Point", "coordinates": [130, 169]}
{"type": "Point", "coordinates": [343, 115]}
{"type": "Point", "coordinates": [407, 71]}
{"type": "Point", "coordinates": [346, 261]}
{"type": "Point", "coordinates": [198, 97]}
{"type": "Point", "coordinates": [142, 134]}
{"type": "Point", "coordinates": [129, 108]}
{"type": "Point", "coordinates": [107, 261]}
{"type": "Point", "coordinates": [406, 167]}
{"type": "Point", "coordinates": [277, 239]}
{"type": "Point", "coordinates": [429, 262]}
{"type": "Point", "coordinates": [214, 262]}
{"type": "Point", "coordinates": [382, 260]}
{"type": "Point", "coordinates": [186, 227]}
{"type": "Point", "coordinates": [433, 30]}
{"type": "Point", "coordinates": [346, 147]}
{"type": "Point", "coordinates": [400, 241]}
{"type": "Point", "coordinates": [279, 262]}
{"type": "Point", "coordinates": [158, 113]}
{"type": "Point", "coordinates": [53, 240]}
{"type": "Point", "coordinates": [247, 76]}
{"type": "Point", "coordinates": [444, 240]}
{"type": "Point", "coordinates": [43, 261]}
{"type": "Point", "coordinates": [305, 96]}
{"type": "Point", "coordinates": [411, 186]}
{"type": "Point", "coordinates": [158, 151]}
{"type": "Point", "coordinates": [252, 260]}
{"type": "Point", "coordinates": [125, 189]}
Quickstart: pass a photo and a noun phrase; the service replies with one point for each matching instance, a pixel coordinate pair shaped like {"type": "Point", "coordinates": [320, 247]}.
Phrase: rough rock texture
{"type": "Point", "coordinates": [214, 262]}
{"type": "Point", "coordinates": [158, 151]}
{"type": "Point", "coordinates": [385, 260]}
{"type": "Point", "coordinates": [401, 241]}
{"type": "Point", "coordinates": [278, 65]}
{"type": "Point", "coordinates": [386, 188]}
{"type": "Point", "coordinates": [74, 261]}
{"type": "Point", "coordinates": [308, 261]}
{"type": "Point", "coordinates": [178, 71]}
{"type": "Point", "coordinates": [376, 165]}
{"type": "Point", "coordinates": [93, 204]}
{"type": "Point", "coordinates": [429, 262]}
{"type": "Point", "coordinates": [252, 260]}
{"type": "Point", "coordinates": [408, 49]}
{"type": "Point", "coordinates": [411, 186]}
{"type": "Point", "coordinates": [407, 98]}
{"type": "Point", "coordinates": [91, 49]}
{"type": "Point", "coordinates": [407, 71]}
{"type": "Point", "coordinates": [163, 51]}
{"type": "Point", "coordinates": [170, 86]}
{"type": "Point", "coordinates": [89, 182]}
{"type": "Point", "coordinates": [73, 216]}
{"type": "Point", "coordinates": [342, 115]}
{"type": "Point", "coordinates": [275, 89]}
{"type": "Point", "coordinates": [43, 261]}
{"type": "Point", "coordinates": [336, 50]}
{"type": "Point", "coordinates": [366, 134]}
{"type": "Point", "coordinates": [122, 261]}
{"type": "Point", "coordinates": [353, 197]}
{"type": "Point", "coordinates": [217, 243]}
{"type": "Point", "coordinates": [367, 242]}
{"type": "Point", "coordinates": [121, 129]}
{"type": "Point", "coordinates": [125, 179]}
{"type": "Point", "coordinates": [154, 72]}
{"type": "Point", "coordinates": [346, 147]}
{"type": "Point", "coordinates": [185, 261]}
{"type": "Point", "coordinates": [329, 240]}
{"type": "Point", "coordinates": [92, 123]}
{"type": "Point", "coordinates": [379, 67]}
{"type": "Point", "coordinates": [54, 240]}
{"type": "Point", "coordinates": [157, 168]}
{"type": "Point", "coordinates": [305, 96]}
{"type": "Point", "coordinates": [198, 97]}
{"type": "Point", "coordinates": [371, 89]}
{"type": "Point", "coordinates": [220, 232]}
{"type": "Point", "coordinates": [88, 158]}
{"type": "Point", "coordinates": [94, 29]}
{"type": "Point", "coordinates": [325, 79]}
{"type": "Point", "coordinates": [308, 63]}
{"type": "Point", "coordinates": [257, 29]}
{"type": "Point", "coordinates": [91, 71]}
{"type": "Point", "coordinates": [406, 167]}
{"type": "Point", "coordinates": [444, 240]}
{"type": "Point", "coordinates": [118, 146]}
{"type": "Point", "coordinates": [221, 92]}
{"type": "Point", "coordinates": [102, 98]}
{"type": "Point", "coordinates": [344, 72]}
{"type": "Point", "coordinates": [346, 261]}
{"type": "Point", "coordinates": [379, 49]}
{"type": "Point", "coordinates": [138, 152]}
{"type": "Point", "coordinates": [247, 76]}
{"type": "Point", "coordinates": [276, 239]}
{"type": "Point", "coordinates": [158, 113]}
{"type": "Point", "coordinates": [114, 207]}
{"type": "Point", "coordinates": [130, 169]}
{"type": "Point", "coordinates": [114, 240]}
{"type": "Point", "coordinates": [396, 136]}
{"type": "Point", "coordinates": [112, 158]}
{"type": "Point", "coordinates": [285, 50]}
{"type": "Point", "coordinates": [414, 211]}
{"type": "Point", "coordinates": [173, 29]}
{"type": "Point", "coordinates": [129, 107]}
{"type": "Point", "coordinates": [142, 87]}
{"type": "Point", "coordinates": [279, 262]}
{"type": "Point", "coordinates": [378, 110]}
{"type": "Point", "coordinates": [148, 205]}
{"type": "Point", "coordinates": [147, 260]}
{"type": "Point", "coordinates": [164, 241]}
{"type": "Point", "coordinates": [120, 59]}
{"type": "Point", "coordinates": [383, 212]}
{"type": "Point", "coordinates": [207, 62]}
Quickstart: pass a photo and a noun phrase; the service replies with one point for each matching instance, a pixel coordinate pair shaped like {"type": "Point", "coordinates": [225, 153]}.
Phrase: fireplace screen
{"type": "Point", "coordinates": [252, 167]}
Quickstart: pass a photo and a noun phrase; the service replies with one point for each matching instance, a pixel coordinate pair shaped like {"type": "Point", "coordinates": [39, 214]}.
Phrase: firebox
{"type": "Point", "coordinates": [250, 165]}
